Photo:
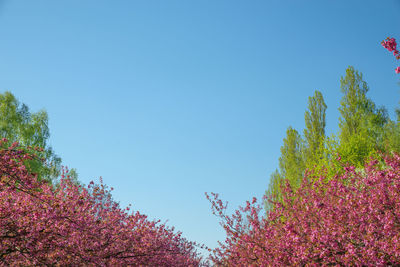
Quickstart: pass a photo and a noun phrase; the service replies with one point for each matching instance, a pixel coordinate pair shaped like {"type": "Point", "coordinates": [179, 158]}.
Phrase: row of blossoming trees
{"type": "Point", "coordinates": [72, 225]}
{"type": "Point", "coordinates": [339, 212]}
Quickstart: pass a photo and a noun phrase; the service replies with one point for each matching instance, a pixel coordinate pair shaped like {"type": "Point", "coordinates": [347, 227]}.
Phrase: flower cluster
{"type": "Point", "coordinates": [72, 225]}
{"type": "Point", "coordinates": [391, 45]}
{"type": "Point", "coordinates": [350, 220]}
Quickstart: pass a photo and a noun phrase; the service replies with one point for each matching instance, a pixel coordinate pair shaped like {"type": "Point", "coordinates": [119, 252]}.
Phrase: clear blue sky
{"type": "Point", "coordinates": [169, 99]}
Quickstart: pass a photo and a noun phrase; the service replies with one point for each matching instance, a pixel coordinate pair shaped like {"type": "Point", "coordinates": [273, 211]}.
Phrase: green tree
{"type": "Point", "coordinates": [364, 131]}
{"type": "Point", "coordinates": [30, 130]}
{"type": "Point", "coordinates": [354, 104]}
{"type": "Point", "coordinates": [314, 133]}
{"type": "Point", "coordinates": [361, 123]}
{"type": "Point", "coordinates": [291, 165]}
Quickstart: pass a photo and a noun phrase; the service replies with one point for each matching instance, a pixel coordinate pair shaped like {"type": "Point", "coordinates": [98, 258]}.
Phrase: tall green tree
{"type": "Point", "coordinates": [361, 123]}
{"type": "Point", "coordinates": [314, 133]}
{"type": "Point", "coordinates": [291, 165]}
{"type": "Point", "coordinates": [30, 130]}
{"type": "Point", "coordinates": [354, 103]}
{"type": "Point", "coordinates": [364, 131]}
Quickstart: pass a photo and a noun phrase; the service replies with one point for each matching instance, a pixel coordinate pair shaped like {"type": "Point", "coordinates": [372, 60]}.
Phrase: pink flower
{"type": "Point", "coordinates": [397, 70]}
{"type": "Point", "coordinates": [356, 226]}
{"type": "Point", "coordinates": [390, 44]}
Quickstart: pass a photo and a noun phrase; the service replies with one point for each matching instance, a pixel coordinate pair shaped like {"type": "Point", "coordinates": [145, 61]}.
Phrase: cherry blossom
{"type": "Point", "coordinates": [73, 225]}
{"type": "Point", "coordinates": [347, 220]}
{"type": "Point", "coordinates": [391, 45]}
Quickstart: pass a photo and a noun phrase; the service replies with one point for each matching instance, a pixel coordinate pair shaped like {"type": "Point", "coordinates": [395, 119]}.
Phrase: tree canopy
{"type": "Point", "coordinates": [17, 123]}
{"type": "Point", "coordinates": [364, 131]}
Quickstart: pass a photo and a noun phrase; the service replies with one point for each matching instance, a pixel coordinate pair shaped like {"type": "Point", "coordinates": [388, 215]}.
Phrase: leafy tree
{"type": "Point", "coordinates": [291, 164]}
{"type": "Point", "coordinates": [314, 133]}
{"type": "Point", "coordinates": [365, 131]}
{"type": "Point", "coordinates": [361, 123]}
{"type": "Point", "coordinates": [30, 130]}
{"type": "Point", "coordinates": [354, 104]}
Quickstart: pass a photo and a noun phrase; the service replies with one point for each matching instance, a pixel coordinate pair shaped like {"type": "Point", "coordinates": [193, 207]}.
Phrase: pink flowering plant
{"type": "Point", "coordinates": [391, 45]}
{"type": "Point", "coordinates": [347, 220]}
{"type": "Point", "coordinates": [72, 225]}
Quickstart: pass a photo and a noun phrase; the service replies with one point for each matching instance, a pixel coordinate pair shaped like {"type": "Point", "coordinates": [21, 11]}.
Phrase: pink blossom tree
{"type": "Point", "coordinates": [347, 220]}
{"type": "Point", "coordinates": [75, 225]}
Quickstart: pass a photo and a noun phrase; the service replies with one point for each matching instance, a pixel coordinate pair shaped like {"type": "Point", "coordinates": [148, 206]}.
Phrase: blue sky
{"type": "Point", "coordinates": [169, 99]}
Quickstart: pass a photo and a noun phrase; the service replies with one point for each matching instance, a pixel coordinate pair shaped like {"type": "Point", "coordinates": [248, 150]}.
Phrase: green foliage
{"type": "Point", "coordinates": [365, 131]}
{"type": "Point", "coordinates": [291, 165]}
{"type": "Point", "coordinates": [354, 104]}
{"type": "Point", "coordinates": [30, 130]}
{"type": "Point", "coordinates": [361, 124]}
{"type": "Point", "coordinates": [314, 132]}
{"type": "Point", "coordinates": [357, 149]}
{"type": "Point", "coordinates": [391, 137]}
